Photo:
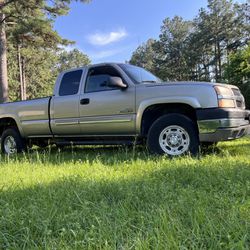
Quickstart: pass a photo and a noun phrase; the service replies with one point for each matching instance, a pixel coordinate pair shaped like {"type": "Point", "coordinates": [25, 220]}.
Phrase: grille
{"type": "Point", "coordinates": [240, 102]}
{"type": "Point", "coordinates": [236, 92]}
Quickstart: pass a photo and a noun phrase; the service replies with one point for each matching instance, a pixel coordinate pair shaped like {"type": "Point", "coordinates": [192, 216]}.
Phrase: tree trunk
{"type": "Point", "coordinates": [219, 61]}
{"type": "Point", "coordinates": [3, 61]}
{"type": "Point", "coordinates": [20, 71]}
{"type": "Point", "coordinates": [24, 80]}
{"type": "Point", "coordinates": [216, 62]}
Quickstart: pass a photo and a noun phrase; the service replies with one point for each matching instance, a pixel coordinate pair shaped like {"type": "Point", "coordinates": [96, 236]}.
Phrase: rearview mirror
{"type": "Point", "coordinates": [117, 82]}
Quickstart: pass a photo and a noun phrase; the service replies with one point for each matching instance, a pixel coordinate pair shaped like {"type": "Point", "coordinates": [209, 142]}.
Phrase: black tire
{"type": "Point", "coordinates": [189, 139]}
{"type": "Point", "coordinates": [19, 141]}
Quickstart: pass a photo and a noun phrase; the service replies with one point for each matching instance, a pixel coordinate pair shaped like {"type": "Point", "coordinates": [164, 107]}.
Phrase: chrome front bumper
{"type": "Point", "coordinates": [215, 130]}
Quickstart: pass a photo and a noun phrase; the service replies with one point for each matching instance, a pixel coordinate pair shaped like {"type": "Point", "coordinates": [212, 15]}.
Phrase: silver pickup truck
{"type": "Point", "coordinates": [122, 104]}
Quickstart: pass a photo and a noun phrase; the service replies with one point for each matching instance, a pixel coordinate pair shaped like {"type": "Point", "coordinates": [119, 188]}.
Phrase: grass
{"type": "Point", "coordinates": [120, 198]}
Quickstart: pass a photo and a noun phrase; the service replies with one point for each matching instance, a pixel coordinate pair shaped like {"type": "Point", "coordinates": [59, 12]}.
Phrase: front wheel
{"type": "Point", "coordinates": [12, 142]}
{"type": "Point", "coordinates": [173, 135]}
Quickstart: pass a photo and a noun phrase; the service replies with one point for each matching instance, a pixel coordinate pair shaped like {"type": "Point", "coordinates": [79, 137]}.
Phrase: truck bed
{"type": "Point", "coordinates": [33, 115]}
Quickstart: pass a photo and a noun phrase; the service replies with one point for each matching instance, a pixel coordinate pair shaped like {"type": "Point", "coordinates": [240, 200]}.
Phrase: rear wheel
{"type": "Point", "coordinates": [173, 135]}
{"type": "Point", "coordinates": [12, 142]}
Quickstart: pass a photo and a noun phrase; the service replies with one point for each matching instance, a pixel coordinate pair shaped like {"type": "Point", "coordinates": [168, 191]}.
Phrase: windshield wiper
{"type": "Point", "coordinates": [150, 81]}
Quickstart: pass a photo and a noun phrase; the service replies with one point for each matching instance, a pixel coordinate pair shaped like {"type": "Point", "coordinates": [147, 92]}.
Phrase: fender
{"type": "Point", "coordinates": [191, 101]}
{"type": "Point", "coordinates": [16, 119]}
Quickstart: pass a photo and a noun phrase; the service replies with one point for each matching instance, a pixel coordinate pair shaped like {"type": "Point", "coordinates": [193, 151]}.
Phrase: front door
{"type": "Point", "coordinates": [105, 110]}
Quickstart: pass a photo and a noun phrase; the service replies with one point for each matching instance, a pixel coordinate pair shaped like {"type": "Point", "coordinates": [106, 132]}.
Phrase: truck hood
{"type": "Point", "coordinates": [189, 83]}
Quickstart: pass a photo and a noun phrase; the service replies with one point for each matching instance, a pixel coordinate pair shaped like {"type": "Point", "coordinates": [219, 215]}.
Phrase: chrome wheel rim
{"type": "Point", "coordinates": [174, 140]}
{"type": "Point", "coordinates": [10, 145]}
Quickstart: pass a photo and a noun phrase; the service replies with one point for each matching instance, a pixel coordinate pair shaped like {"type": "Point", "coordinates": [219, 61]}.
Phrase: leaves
{"type": "Point", "coordinates": [29, 26]}
{"type": "Point", "coordinates": [72, 59]}
{"type": "Point", "coordinates": [238, 71]}
{"type": "Point", "coordinates": [198, 49]}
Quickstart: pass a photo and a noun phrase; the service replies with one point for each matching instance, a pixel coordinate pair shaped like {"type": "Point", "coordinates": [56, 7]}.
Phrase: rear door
{"type": "Point", "coordinates": [104, 110]}
{"type": "Point", "coordinates": [65, 105]}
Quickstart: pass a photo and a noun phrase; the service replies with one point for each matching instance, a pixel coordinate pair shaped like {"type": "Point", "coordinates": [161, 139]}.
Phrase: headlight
{"type": "Point", "coordinates": [223, 92]}
{"type": "Point", "coordinates": [225, 97]}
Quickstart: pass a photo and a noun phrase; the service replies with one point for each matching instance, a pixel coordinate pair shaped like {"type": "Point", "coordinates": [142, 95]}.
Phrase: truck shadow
{"type": "Point", "coordinates": [114, 155]}
{"type": "Point", "coordinates": [109, 155]}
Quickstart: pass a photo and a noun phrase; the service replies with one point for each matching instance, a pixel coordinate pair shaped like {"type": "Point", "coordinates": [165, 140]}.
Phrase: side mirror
{"type": "Point", "coordinates": [117, 82]}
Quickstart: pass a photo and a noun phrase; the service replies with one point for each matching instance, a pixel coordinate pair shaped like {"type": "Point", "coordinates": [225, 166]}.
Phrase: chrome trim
{"type": "Point", "coordinates": [30, 122]}
{"type": "Point", "coordinates": [40, 136]}
{"type": "Point", "coordinates": [231, 123]}
{"type": "Point", "coordinates": [92, 120]}
{"type": "Point", "coordinates": [93, 136]}
{"type": "Point", "coordinates": [106, 121]}
{"type": "Point", "coordinates": [210, 126]}
{"type": "Point", "coordinates": [65, 123]}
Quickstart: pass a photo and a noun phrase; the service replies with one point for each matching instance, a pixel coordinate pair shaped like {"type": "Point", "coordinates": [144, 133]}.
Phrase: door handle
{"type": "Point", "coordinates": [84, 101]}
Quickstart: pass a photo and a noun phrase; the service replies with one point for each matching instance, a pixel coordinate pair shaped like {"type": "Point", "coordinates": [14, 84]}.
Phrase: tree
{"type": "Point", "coordinates": [32, 17]}
{"type": "Point", "coordinates": [3, 58]}
{"type": "Point", "coordinates": [41, 67]}
{"type": "Point", "coordinates": [220, 29]}
{"type": "Point", "coordinates": [237, 71]}
{"type": "Point", "coordinates": [171, 60]}
{"type": "Point", "coordinates": [72, 59]}
{"type": "Point", "coordinates": [143, 56]}
{"type": "Point", "coordinates": [198, 49]}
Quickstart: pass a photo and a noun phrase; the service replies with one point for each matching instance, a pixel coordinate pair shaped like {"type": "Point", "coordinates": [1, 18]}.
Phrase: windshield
{"type": "Point", "coordinates": [139, 75]}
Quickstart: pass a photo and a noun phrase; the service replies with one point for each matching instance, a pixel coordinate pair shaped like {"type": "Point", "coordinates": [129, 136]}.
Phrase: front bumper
{"type": "Point", "coordinates": [222, 124]}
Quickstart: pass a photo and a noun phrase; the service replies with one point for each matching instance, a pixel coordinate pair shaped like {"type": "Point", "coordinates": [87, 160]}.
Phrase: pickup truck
{"type": "Point", "coordinates": [114, 103]}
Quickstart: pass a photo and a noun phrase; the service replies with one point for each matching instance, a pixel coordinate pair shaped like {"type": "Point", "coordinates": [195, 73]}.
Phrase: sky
{"type": "Point", "coordinates": [110, 30]}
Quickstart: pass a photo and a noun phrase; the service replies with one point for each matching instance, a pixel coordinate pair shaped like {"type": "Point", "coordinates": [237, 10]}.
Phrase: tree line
{"type": "Point", "coordinates": [214, 46]}
{"type": "Point", "coordinates": [31, 51]}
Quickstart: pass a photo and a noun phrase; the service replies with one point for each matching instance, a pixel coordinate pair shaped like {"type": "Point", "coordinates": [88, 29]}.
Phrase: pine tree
{"type": "Point", "coordinates": [72, 59]}
{"type": "Point", "coordinates": [27, 20]}
{"type": "Point", "coordinates": [170, 48]}
{"type": "Point", "coordinates": [144, 56]}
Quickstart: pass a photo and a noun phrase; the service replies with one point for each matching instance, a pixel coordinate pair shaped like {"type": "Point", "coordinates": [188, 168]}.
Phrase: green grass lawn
{"type": "Point", "coordinates": [121, 198]}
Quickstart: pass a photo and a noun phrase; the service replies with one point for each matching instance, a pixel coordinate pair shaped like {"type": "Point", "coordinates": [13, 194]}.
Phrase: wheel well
{"type": "Point", "coordinates": [152, 113]}
{"type": "Point", "coordinates": [5, 123]}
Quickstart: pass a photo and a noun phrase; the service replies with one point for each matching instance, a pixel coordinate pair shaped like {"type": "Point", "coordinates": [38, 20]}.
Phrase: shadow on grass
{"type": "Point", "coordinates": [113, 155]}
{"type": "Point", "coordinates": [108, 155]}
{"type": "Point", "coordinates": [191, 207]}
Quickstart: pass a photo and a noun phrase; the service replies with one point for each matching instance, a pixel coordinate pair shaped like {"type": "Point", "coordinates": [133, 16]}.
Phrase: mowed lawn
{"type": "Point", "coordinates": [124, 198]}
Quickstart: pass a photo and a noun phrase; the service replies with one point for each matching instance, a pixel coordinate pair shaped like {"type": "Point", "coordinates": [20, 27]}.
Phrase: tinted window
{"type": "Point", "coordinates": [70, 83]}
{"type": "Point", "coordinates": [97, 83]}
{"type": "Point", "coordinates": [98, 78]}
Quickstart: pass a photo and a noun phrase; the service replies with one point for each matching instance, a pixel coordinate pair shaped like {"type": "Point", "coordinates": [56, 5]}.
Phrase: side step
{"type": "Point", "coordinates": [119, 140]}
{"type": "Point", "coordinates": [94, 142]}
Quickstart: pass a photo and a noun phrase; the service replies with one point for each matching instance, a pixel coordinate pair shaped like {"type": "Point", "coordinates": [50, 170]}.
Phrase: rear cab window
{"type": "Point", "coordinates": [70, 83]}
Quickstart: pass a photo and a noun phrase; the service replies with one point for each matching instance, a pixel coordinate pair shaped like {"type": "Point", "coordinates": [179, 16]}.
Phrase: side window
{"type": "Point", "coordinates": [70, 83]}
{"type": "Point", "coordinates": [98, 79]}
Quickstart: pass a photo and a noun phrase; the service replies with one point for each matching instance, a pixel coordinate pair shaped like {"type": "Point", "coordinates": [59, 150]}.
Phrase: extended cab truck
{"type": "Point", "coordinates": [120, 103]}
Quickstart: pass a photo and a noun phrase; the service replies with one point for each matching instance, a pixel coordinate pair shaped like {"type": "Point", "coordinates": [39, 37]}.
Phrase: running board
{"type": "Point", "coordinates": [94, 142]}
